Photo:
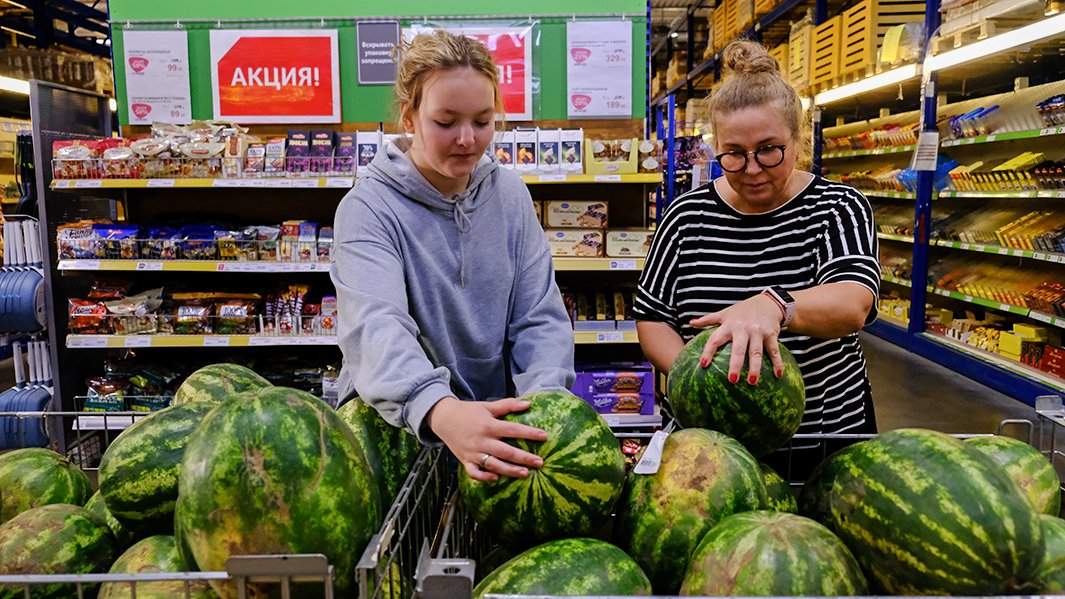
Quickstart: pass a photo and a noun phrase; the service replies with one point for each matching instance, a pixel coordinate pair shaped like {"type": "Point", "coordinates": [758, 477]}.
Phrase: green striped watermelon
{"type": "Point", "coordinates": [572, 494]}
{"type": "Point", "coordinates": [927, 514]}
{"type": "Point", "coordinates": [390, 450]}
{"type": "Point", "coordinates": [760, 554]}
{"type": "Point", "coordinates": [572, 567]}
{"type": "Point", "coordinates": [139, 470]}
{"type": "Point", "coordinates": [817, 491]}
{"type": "Point", "coordinates": [217, 382]}
{"type": "Point", "coordinates": [1028, 468]}
{"type": "Point", "coordinates": [153, 555]}
{"type": "Point", "coordinates": [1050, 579]}
{"type": "Point", "coordinates": [780, 497]}
{"type": "Point", "coordinates": [763, 417]}
{"type": "Point", "coordinates": [97, 507]}
{"type": "Point", "coordinates": [704, 477]}
{"type": "Point", "coordinates": [34, 477]}
{"type": "Point", "coordinates": [279, 473]}
{"type": "Point", "coordinates": [54, 539]}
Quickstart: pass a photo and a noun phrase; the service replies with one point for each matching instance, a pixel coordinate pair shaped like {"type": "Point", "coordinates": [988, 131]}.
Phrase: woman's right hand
{"type": "Point", "coordinates": [473, 429]}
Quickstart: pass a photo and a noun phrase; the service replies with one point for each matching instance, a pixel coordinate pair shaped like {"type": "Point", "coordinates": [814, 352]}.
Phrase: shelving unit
{"type": "Point", "coordinates": [216, 341]}
{"type": "Point", "coordinates": [562, 264]}
{"type": "Point", "coordinates": [315, 183]}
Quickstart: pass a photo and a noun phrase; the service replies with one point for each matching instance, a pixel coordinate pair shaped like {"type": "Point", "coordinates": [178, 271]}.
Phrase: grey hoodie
{"type": "Point", "coordinates": [444, 297]}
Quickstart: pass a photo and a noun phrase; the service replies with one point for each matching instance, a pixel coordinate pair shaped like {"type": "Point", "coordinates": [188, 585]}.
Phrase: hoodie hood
{"type": "Point", "coordinates": [394, 168]}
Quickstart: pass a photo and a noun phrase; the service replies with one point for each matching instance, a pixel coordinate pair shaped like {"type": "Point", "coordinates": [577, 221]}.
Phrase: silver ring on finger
{"type": "Point", "coordinates": [484, 460]}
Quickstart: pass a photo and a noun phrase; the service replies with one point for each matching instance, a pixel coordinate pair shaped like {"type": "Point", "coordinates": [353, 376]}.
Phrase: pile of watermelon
{"type": "Point", "coordinates": [235, 467]}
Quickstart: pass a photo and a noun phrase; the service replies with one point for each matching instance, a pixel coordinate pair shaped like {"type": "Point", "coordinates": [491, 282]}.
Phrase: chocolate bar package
{"type": "Point", "coordinates": [298, 152]}
{"type": "Point", "coordinates": [321, 151]}
{"type": "Point", "coordinates": [344, 153]}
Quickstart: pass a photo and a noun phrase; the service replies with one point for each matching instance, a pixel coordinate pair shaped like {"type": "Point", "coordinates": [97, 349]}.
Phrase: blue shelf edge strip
{"type": "Point", "coordinates": [1008, 383]}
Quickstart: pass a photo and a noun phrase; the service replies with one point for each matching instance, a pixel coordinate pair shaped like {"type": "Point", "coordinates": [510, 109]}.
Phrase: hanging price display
{"type": "Point", "coordinates": [599, 68]}
{"type": "Point", "coordinates": [157, 77]}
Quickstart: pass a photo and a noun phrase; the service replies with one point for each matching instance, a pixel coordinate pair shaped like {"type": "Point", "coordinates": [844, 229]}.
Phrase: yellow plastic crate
{"type": "Point", "coordinates": [764, 7]}
{"type": "Point", "coordinates": [780, 54]}
{"type": "Point", "coordinates": [719, 27]}
{"type": "Point", "coordinates": [800, 52]}
{"type": "Point", "coordinates": [732, 19]}
{"type": "Point", "coordinates": [864, 26]}
{"type": "Point", "coordinates": [744, 16]}
{"type": "Point", "coordinates": [826, 46]}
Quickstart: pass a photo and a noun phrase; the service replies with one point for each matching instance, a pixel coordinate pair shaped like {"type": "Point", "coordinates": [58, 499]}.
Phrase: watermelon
{"type": "Point", "coordinates": [1050, 579]}
{"type": "Point", "coordinates": [97, 507]}
{"type": "Point", "coordinates": [927, 514]}
{"type": "Point", "coordinates": [217, 382]}
{"type": "Point", "coordinates": [763, 417]}
{"type": "Point", "coordinates": [139, 471]}
{"type": "Point", "coordinates": [816, 492]}
{"type": "Point", "coordinates": [153, 555]}
{"type": "Point", "coordinates": [704, 477]}
{"type": "Point", "coordinates": [574, 492]}
{"type": "Point", "coordinates": [572, 567]}
{"type": "Point", "coordinates": [279, 473]}
{"type": "Point", "coordinates": [390, 450]}
{"type": "Point", "coordinates": [54, 539]}
{"type": "Point", "coordinates": [34, 477]}
{"type": "Point", "coordinates": [779, 496]}
{"type": "Point", "coordinates": [760, 554]}
{"type": "Point", "coordinates": [1029, 468]}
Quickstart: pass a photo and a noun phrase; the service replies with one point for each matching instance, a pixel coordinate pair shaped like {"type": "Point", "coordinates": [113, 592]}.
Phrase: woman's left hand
{"type": "Point", "coordinates": [752, 326]}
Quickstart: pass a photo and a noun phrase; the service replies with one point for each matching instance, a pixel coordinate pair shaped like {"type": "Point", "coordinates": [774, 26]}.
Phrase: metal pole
{"type": "Point", "coordinates": [671, 160]}
{"type": "Point", "coordinates": [818, 141]}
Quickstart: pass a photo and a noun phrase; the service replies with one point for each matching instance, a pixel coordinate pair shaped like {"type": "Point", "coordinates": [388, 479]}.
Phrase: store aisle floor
{"type": "Point", "coordinates": [909, 390]}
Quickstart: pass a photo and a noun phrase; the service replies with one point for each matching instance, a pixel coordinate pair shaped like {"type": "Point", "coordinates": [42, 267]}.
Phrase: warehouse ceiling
{"type": "Point", "coordinates": [77, 25]}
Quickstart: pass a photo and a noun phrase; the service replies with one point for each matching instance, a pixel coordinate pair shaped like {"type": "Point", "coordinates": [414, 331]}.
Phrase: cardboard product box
{"type": "Point", "coordinates": [572, 143]}
{"type": "Point", "coordinates": [344, 153]}
{"type": "Point", "coordinates": [525, 143]}
{"type": "Point", "coordinates": [634, 243]}
{"type": "Point", "coordinates": [275, 155]}
{"type": "Point", "coordinates": [548, 150]}
{"type": "Point", "coordinates": [561, 213]}
{"type": "Point", "coordinates": [623, 403]}
{"type": "Point", "coordinates": [367, 144]}
{"type": "Point", "coordinates": [503, 149]}
{"type": "Point", "coordinates": [586, 243]}
{"type": "Point", "coordinates": [298, 152]}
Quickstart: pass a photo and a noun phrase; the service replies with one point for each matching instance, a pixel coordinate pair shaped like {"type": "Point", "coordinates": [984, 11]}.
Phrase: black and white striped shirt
{"type": "Point", "coordinates": [706, 256]}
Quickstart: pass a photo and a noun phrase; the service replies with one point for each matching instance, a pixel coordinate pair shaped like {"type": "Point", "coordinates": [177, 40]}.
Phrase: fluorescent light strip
{"type": "Point", "coordinates": [15, 86]}
{"type": "Point", "coordinates": [868, 84]}
{"type": "Point", "coordinates": [1021, 36]}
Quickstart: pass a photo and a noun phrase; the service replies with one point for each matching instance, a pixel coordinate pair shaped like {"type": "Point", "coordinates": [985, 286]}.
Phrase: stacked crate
{"type": "Point", "coordinates": [800, 49]}
{"type": "Point", "coordinates": [826, 44]}
{"type": "Point", "coordinates": [719, 27]}
{"type": "Point", "coordinates": [780, 54]}
{"type": "Point", "coordinates": [863, 28]}
{"type": "Point", "coordinates": [764, 7]}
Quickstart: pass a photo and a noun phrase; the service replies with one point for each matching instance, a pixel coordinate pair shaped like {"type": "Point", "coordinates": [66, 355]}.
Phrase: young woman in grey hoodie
{"type": "Point", "coordinates": [446, 289]}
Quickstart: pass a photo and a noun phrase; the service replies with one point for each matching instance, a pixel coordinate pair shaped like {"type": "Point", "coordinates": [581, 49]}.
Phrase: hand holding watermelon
{"type": "Point", "coordinates": [752, 326]}
{"type": "Point", "coordinates": [474, 432]}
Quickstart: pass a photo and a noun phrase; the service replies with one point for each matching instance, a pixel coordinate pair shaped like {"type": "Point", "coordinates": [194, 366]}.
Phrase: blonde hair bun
{"type": "Point", "coordinates": [748, 58]}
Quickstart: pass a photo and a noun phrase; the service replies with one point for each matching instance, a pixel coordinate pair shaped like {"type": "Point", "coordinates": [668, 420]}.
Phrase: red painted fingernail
{"type": "Point", "coordinates": [779, 372]}
{"type": "Point", "coordinates": [703, 362]}
{"type": "Point", "coordinates": [751, 380]}
{"type": "Point", "coordinates": [733, 378]}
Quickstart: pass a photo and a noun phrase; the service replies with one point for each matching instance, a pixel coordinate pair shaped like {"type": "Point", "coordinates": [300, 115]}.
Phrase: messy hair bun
{"type": "Point", "coordinates": [744, 57]}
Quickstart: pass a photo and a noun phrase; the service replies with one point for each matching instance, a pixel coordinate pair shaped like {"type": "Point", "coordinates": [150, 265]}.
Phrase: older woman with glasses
{"type": "Point", "coordinates": [767, 252]}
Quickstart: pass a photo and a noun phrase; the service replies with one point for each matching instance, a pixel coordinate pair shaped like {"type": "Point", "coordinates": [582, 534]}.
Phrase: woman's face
{"type": "Point", "coordinates": [454, 124]}
{"type": "Point", "coordinates": [749, 130]}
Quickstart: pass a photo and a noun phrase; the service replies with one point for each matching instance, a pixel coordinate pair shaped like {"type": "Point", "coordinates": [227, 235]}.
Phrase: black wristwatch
{"type": "Point", "coordinates": [785, 302]}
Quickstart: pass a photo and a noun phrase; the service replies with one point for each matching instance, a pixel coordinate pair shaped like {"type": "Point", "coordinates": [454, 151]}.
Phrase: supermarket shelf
{"type": "Point", "coordinates": [121, 341]}
{"type": "Point", "coordinates": [557, 179]}
{"type": "Point", "coordinates": [890, 237]}
{"type": "Point", "coordinates": [597, 337]}
{"type": "Point", "coordinates": [999, 361]}
{"type": "Point", "coordinates": [279, 183]}
{"type": "Point", "coordinates": [873, 152]}
{"type": "Point", "coordinates": [892, 321]}
{"type": "Point", "coordinates": [1043, 193]}
{"type": "Point", "coordinates": [597, 264]}
{"type": "Point", "coordinates": [1001, 251]}
{"type": "Point", "coordinates": [893, 279]}
{"type": "Point", "coordinates": [124, 341]}
{"type": "Point", "coordinates": [1010, 136]}
{"type": "Point", "coordinates": [1054, 321]}
{"type": "Point", "coordinates": [898, 195]}
{"type": "Point", "coordinates": [225, 266]}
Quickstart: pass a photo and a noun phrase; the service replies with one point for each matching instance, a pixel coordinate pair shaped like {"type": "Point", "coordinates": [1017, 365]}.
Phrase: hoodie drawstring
{"type": "Point", "coordinates": [464, 224]}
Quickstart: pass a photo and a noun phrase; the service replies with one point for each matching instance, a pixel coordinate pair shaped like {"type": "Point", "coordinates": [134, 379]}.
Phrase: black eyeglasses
{"type": "Point", "coordinates": [765, 156]}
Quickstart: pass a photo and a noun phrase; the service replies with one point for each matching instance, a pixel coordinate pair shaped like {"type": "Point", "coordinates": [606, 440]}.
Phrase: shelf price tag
{"type": "Point", "coordinates": [137, 341]}
{"type": "Point", "coordinates": [88, 184]}
{"type": "Point", "coordinates": [152, 265]}
{"type": "Point", "coordinates": [610, 337]}
{"type": "Point", "coordinates": [340, 182]}
{"type": "Point", "coordinates": [216, 341]}
{"type": "Point", "coordinates": [608, 178]}
{"type": "Point", "coordinates": [160, 182]}
{"type": "Point", "coordinates": [622, 265]}
{"type": "Point", "coordinates": [1003, 251]}
{"type": "Point", "coordinates": [991, 137]}
{"type": "Point", "coordinates": [85, 264]}
{"type": "Point", "coordinates": [262, 341]}
{"type": "Point", "coordinates": [551, 178]}
{"type": "Point", "coordinates": [90, 341]}
{"type": "Point", "coordinates": [1048, 131]}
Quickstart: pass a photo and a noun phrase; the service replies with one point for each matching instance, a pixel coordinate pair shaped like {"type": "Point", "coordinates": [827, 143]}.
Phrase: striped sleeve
{"type": "Point", "coordinates": [655, 293]}
{"type": "Point", "coordinates": [849, 251]}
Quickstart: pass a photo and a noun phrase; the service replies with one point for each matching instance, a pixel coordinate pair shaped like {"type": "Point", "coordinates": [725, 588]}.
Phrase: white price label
{"type": "Point", "coordinates": [552, 178]}
{"type": "Point", "coordinates": [152, 265]}
{"type": "Point", "coordinates": [216, 341]}
{"type": "Point", "coordinates": [90, 341]}
{"type": "Point", "coordinates": [262, 341]}
{"type": "Point", "coordinates": [88, 184]}
{"type": "Point", "coordinates": [610, 337]}
{"type": "Point", "coordinates": [1003, 251]}
{"type": "Point", "coordinates": [612, 420]}
{"type": "Point", "coordinates": [224, 183]}
{"type": "Point", "coordinates": [304, 183]}
{"type": "Point", "coordinates": [1048, 131]}
{"type": "Point", "coordinates": [608, 178]}
{"type": "Point", "coordinates": [651, 459]}
{"type": "Point", "coordinates": [967, 298]}
{"type": "Point", "coordinates": [63, 183]}
{"type": "Point", "coordinates": [340, 182]}
{"type": "Point", "coordinates": [622, 265]}
{"type": "Point", "coordinates": [1040, 316]}
{"type": "Point", "coordinates": [137, 341]}
{"type": "Point", "coordinates": [160, 182]}
{"type": "Point", "coordinates": [86, 264]}
{"type": "Point", "coordinates": [979, 248]}
{"type": "Point", "coordinates": [1041, 256]}
{"type": "Point", "coordinates": [1005, 307]}
{"type": "Point", "coordinates": [991, 137]}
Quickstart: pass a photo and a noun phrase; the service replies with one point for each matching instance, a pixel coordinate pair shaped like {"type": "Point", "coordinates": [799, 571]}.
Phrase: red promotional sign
{"type": "Point", "coordinates": [275, 76]}
{"type": "Point", "coordinates": [511, 50]}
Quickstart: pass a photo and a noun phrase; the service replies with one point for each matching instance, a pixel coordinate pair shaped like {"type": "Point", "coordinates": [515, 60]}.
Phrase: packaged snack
{"type": "Point", "coordinates": [202, 159]}
{"type": "Point", "coordinates": [576, 214]}
{"type": "Point", "coordinates": [160, 243]}
{"type": "Point", "coordinates": [248, 244]}
{"type": "Point", "coordinates": [275, 156]}
{"type": "Point", "coordinates": [283, 311]}
{"type": "Point", "coordinates": [548, 150]}
{"type": "Point", "coordinates": [345, 153]}
{"type": "Point", "coordinates": [327, 317]}
{"type": "Point", "coordinates": [321, 151]}
{"type": "Point", "coordinates": [105, 394]}
{"type": "Point", "coordinates": [233, 156]}
{"type": "Point", "coordinates": [106, 289]}
{"type": "Point", "coordinates": [619, 403]}
{"type": "Point", "coordinates": [267, 240]}
{"type": "Point", "coordinates": [87, 317]}
{"type": "Point", "coordinates": [255, 162]}
{"type": "Point", "coordinates": [76, 240]}
{"type": "Point", "coordinates": [368, 143]}
{"type": "Point", "coordinates": [192, 317]}
{"type": "Point", "coordinates": [503, 148]}
{"type": "Point", "coordinates": [116, 242]}
{"type": "Point", "coordinates": [325, 244]}
{"type": "Point", "coordinates": [575, 242]}
{"type": "Point", "coordinates": [572, 150]}
{"type": "Point", "coordinates": [148, 403]}
{"type": "Point", "coordinates": [290, 237]}
{"type": "Point", "coordinates": [308, 237]}
{"type": "Point", "coordinates": [228, 244]}
{"type": "Point", "coordinates": [235, 317]}
{"type": "Point", "coordinates": [198, 242]}
{"type": "Point", "coordinates": [525, 144]}
{"type": "Point", "coordinates": [298, 152]}
{"type": "Point", "coordinates": [74, 159]}
{"type": "Point", "coordinates": [136, 314]}
{"type": "Point", "coordinates": [628, 243]}
{"type": "Point", "coordinates": [117, 159]}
